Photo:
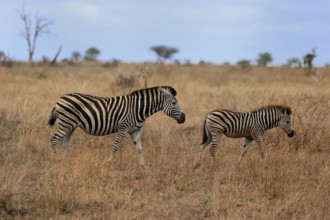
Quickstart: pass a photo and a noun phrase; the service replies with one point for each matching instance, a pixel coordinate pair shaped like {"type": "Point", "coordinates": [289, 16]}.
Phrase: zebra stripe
{"type": "Point", "coordinates": [250, 125]}
{"type": "Point", "coordinates": [105, 115]}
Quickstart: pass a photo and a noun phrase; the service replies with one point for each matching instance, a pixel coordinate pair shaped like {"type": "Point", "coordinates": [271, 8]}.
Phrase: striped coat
{"type": "Point", "coordinates": [250, 125]}
{"type": "Point", "coordinates": [105, 115]}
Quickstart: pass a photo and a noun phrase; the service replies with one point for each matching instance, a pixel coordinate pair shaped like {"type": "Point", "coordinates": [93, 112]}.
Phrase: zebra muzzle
{"type": "Point", "coordinates": [291, 134]}
{"type": "Point", "coordinates": [182, 118]}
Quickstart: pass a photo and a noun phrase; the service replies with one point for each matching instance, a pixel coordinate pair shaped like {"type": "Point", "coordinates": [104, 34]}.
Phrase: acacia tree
{"type": "Point", "coordinates": [92, 53]}
{"type": "Point", "coordinates": [308, 61]}
{"type": "Point", "coordinates": [33, 30]}
{"type": "Point", "coordinates": [164, 52]}
{"type": "Point", "coordinates": [264, 59]}
{"type": "Point", "coordinates": [75, 56]}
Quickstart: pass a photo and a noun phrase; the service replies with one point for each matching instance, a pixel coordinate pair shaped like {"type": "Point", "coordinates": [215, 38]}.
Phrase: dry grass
{"type": "Point", "coordinates": [292, 182]}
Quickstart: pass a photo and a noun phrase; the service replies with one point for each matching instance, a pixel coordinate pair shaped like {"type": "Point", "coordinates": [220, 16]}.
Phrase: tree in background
{"type": "Point", "coordinates": [32, 32]}
{"type": "Point", "coordinates": [244, 64]}
{"type": "Point", "coordinates": [5, 60]}
{"type": "Point", "coordinates": [164, 52]}
{"type": "Point", "coordinates": [264, 59]}
{"type": "Point", "coordinates": [75, 56]}
{"type": "Point", "coordinates": [91, 54]}
{"type": "Point", "coordinates": [2, 56]}
{"type": "Point", "coordinates": [294, 62]}
{"type": "Point", "coordinates": [308, 61]}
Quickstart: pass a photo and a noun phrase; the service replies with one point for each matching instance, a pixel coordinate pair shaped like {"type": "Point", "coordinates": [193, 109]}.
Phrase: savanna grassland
{"type": "Point", "coordinates": [292, 182]}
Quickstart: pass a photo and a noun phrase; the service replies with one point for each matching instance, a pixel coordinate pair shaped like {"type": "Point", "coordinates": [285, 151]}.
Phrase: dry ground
{"type": "Point", "coordinates": [292, 182]}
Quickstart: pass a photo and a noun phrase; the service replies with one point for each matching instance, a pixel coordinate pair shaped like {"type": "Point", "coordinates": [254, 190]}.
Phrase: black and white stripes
{"type": "Point", "coordinates": [250, 125]}
{"type": "Point", "coordinates": [102, 116]}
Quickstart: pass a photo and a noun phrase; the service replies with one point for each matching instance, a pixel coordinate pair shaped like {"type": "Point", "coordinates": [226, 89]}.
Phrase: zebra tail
{"type": "Point", "coordinates": [205, 137]}
{"type": "Point", "coordinates": [52, 117]}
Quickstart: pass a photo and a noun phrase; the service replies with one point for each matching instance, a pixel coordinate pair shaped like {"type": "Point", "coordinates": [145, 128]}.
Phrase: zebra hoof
{"type": "Point", "coordinates": [108, 160]}
{"type": "Point", "coordinates": [111, 157]}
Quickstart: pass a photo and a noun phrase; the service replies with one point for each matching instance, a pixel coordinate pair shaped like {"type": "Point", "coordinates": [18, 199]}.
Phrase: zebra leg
{"type": "Point", "coordinates": [207, 138]}
{"type": "Point", "coordinates": [53, 141]}
{"type": "Point", "coordinates": [258, 139]}
{"type": "Point", "coordinates": [201, 149]}
{"type": "Point", "coordinates": [119, 138]}
{"type": "Point", "coordinates": [59, 135]}
{"type": "Point", "coordinates": [135, 135]}
{"type": "Point", "coordinates": [214, 143]}
{"type": "Point", "coordinates": [65, 142]}
{"type": "Point", "coordinates": [246, 145]}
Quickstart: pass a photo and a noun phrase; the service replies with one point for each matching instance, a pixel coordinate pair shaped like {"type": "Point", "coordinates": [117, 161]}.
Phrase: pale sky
{"type": "Point", "coordinates": [211, 30]}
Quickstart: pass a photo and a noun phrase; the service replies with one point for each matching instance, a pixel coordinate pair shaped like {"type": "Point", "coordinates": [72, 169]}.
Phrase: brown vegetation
{"type": "Point", "coordinates": [293, 181]}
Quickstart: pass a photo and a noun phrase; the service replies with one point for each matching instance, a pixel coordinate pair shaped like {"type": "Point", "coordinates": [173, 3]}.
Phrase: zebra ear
{"type": "Point", "coordinates": [283, 110]}
{"type": "Point", "coordinates": [168, 90]}
{"type": "Point", "coordinates": [286, 110]}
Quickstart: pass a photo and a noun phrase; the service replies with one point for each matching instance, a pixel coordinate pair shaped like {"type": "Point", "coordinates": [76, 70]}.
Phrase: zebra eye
{"type": "Point", "coordinates": [288, 122]}
{"type": "Point", "coordinates": [174, 102]}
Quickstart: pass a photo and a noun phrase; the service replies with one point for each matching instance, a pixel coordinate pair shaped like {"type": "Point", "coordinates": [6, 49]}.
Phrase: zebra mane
{"type": "Point", "coordinates": [168, 88]}
{"type": "Point", "coordinates": [282, 107]}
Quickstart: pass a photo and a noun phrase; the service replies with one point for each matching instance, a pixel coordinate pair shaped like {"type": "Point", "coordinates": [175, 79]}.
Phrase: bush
{"type": "Point", "coordinates": [245, 65]}
{"type": "Point", "coordinates": [112, 64]}
{"type": "Point", "coordinates": [126, 82]}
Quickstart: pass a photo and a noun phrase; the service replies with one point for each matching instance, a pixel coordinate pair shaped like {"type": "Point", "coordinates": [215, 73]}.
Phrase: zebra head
{"type": "Point", "coordinates": [171, 105]}
{"type": "Point", "coordinates": [285, 121]}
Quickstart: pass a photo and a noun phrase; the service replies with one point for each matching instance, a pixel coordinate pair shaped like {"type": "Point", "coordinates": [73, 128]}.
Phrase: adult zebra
{"type": "Point", "coordinates": [105, 115]}
{"type": "Point", "coordinates": [250, 125]}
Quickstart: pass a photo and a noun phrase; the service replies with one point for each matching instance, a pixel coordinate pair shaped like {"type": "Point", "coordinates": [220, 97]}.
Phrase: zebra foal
{"type": "Point", "coordinates": [105, 115]}
{"type": "Point", "coordinates": [250, 125]}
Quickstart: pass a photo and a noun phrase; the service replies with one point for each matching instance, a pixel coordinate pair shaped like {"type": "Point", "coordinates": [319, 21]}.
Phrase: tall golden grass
{"type": "Point", "coordinates": [292, 182]}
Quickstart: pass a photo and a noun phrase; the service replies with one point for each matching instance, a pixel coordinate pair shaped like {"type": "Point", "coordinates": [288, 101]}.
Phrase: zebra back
{"type": "Point", "coordinates": [168, 88]}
